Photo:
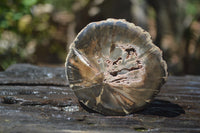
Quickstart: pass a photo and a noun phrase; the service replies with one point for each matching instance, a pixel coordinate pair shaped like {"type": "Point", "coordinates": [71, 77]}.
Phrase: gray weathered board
{"type": "Point", "coordinates": [38, 99]}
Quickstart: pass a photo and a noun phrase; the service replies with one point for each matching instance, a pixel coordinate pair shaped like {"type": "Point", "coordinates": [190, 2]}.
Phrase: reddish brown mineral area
{"type": "Point", "coordinates": [114, 68]}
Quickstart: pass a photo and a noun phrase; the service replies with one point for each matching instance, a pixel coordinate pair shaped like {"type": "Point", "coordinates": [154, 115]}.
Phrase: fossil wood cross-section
{"type": "Point", "coordinates": [114, 68]}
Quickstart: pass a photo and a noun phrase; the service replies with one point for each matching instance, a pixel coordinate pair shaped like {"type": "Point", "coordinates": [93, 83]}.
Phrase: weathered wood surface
{"type": "Point", "coordinates": [38, 99]}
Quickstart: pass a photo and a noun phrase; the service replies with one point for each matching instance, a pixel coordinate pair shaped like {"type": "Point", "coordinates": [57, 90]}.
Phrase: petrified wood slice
{"type": "Point", "coordinates": [114, 68]}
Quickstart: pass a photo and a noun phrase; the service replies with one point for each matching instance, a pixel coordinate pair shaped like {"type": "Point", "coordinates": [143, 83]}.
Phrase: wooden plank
{"type": "Point", "coordinates": [27, 74]}
{"type": "Point", "coordinates": [33, 101]}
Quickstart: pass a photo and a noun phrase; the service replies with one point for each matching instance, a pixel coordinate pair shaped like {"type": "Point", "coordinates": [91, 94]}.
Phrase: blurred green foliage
{"type": "Point", "coordinates": [192, 7]}
{"type": "Point", "coordinates": [20, 22]}
{"type": "Point", "coordinates": [62, 4]}
{"type": "Point", "coordinates": [10, 13]}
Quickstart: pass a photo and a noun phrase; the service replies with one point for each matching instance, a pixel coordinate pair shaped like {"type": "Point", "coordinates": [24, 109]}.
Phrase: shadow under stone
{"type": "Point", "coordinates": [162, 108]}
{"type": "Point", "coordinates": [157, 108]}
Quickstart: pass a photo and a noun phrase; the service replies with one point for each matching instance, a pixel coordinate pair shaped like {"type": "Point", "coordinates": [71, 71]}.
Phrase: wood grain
{"type": "Point", "coordinates": [38, 99]}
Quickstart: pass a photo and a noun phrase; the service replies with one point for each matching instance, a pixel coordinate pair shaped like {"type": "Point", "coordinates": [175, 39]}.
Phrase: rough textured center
{"type": "Point", "coordinates": [118, 70]}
